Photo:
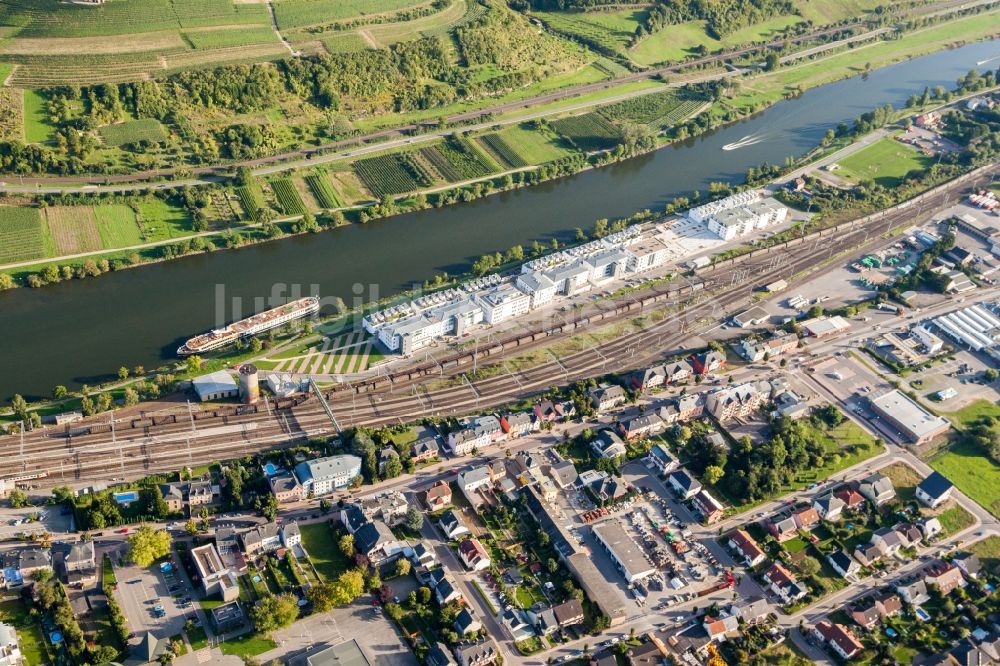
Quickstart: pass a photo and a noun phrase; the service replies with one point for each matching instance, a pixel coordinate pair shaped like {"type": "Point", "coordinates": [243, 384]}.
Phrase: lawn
{"type": "Point", "coordinates": [973, 412]}
{"type": "Point", "coordinates": [197, 638]}
{"type": "Point", "coordinates": [988, 550]}
{"type": "Point", "coordinates": [247, 645]}
{"type": "Point", "coordinates": [905, 480]}
{"type": "Point", "coordinates": [823, 12]}
{"type": "Point", "coordinates": [29, 634]}
{"type": "Point", "coordinates": [973, 473]}
{"type": "Point", "coordinates": [37, 128]}
{"type": "Point", "coordinates": [161, 221]}
{"type": "Point", "coordinates": [133, 131]}
{"type": "Point", "coordinates": [885, 162]}
{"type": "Point", "coordinates": [117, 226]}
{"type": "Point", "coordinates": [318, 540]}
{"type": "Point", "coordinates": [677, 42]}
{"type": "Point", "coordinates": [536, 147]}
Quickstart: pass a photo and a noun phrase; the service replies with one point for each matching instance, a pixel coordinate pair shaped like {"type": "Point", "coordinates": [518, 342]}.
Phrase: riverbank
{"type": "Point", "coordinates": [73, 333]}
{"type": "Point", "coordinates": [753, 94]}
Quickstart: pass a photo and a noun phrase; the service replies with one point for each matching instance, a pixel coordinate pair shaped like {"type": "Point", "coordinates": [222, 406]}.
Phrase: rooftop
{"type": "Point", "coordinates": [906, 413]}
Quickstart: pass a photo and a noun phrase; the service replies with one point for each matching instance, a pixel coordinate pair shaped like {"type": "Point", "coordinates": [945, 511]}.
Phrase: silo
{"type": "Point", "coordinates": [249, 388]}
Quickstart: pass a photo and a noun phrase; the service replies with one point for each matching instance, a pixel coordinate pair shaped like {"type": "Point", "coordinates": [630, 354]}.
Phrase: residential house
{"type": "Point", "coordinates": [474, 555]}
{"type": "Point", "coordinates": [877, 488]}
{"type": "Point", "coordinates": [869, 553]}
{"type": "Point", "coordinates": [683, 484]}
{"type": "Point", "coordinates": [889, 540]}
{"type": "Point", "coordinates": [261, 539]}
{"type": "Point", "coordinates": [806, 518]}
{"type": "Point", "coordinates": [377, 542]}
{"type": "Point", "coordinates": [386, 455]}
{"type": "Point", "coordinates": [843, 564]}
{"type": "Point", "coordinates": [216, 578]}
{"type": "Point", "coordinates": [888, 604]}
{"type": "Point", "coordinates": [710, 509]}
{"type": "Point", "coordinates": [944, 576]}
{"type": "Point", "coordinates": [677, 371]}
{"type": "Point", "coordinates": [608, 489]}
{"type": "Point", "coordinates": [466, 623]}
{"type": "Point", "coordinates": [352, 517]}
{"type": "Point", "coordinates": [563, 473]}
{"type": "Point", "coordinates": [607, 397]}
{"type": "Point", "coordinates": [969, 564]}
{"type": "Point", "coordinates": [390, 507]}
{"type": "Point", "coordinates": [518, 424]}
{"type": "Point", "coordinates": [473, 481]}
{"type": "Point", "coordinates": [783, 528]}
{"type": "Point", "coordinates": [829, 507]}
{"type": "Point", "coordinates": [438, 496]}
{"type": "Point", "coordinates": [747, 548]}
{"type": "Point", "coordinates": [738, 401]}
{"type": "Point", "coordinates": [768, 349]}
{"type": "Point", "coordinates": [708, 361]}
{"type": "Point", "coordinates": [452, 525]}
{"type": "Point", "coordinates": [438, 655]}
{"type": "Point", "coordinates": [324, 475]}
{"type": "Point", "coordinates": [545, 412]}
{"type": "Point", "coordinates": [173, 495]}
{"type": "Point", "coordinates": [527, 466]}
{"type": "Point", "coordinates": [447, 591]}
{"type": "Point", "coordinates": [31, 560]}
{"type": "Point", "coordinates": [718, 627]}
{"type": "Point", "coordinates": [464, 441]}
{"type": "Point", "coordinates": [690, 406]}
{"type": "Point", "coordinates": [568, 613]}
{"type": "Point", "coordinates": [291, 536]}
{"type": "Point", "coordinates": [543, 618]}
{"type": "Point", "coordinates": [645, 654]}
{"type": "Point", "coordinates": [482, 652]}
{"type": "Point", "coordinates": [659, 458]}
{"type": "Point", "coordinates": [517, 623]}
{"type": "Point", "coordinates": [929, 527]}
{"type": "Point", "coordinates": [424, 449]}
{"type": "Point", "coordinates": [286, 488]}
{"type": "Point", "coordinates": [838, 638]}
{"type": "Point", "coordinates": [934, 490]}
{"type": "Point", "coordinates": [752, 610]}
{"type": "Point", "coordinates": [870, 611]}
{"type": "Point", "coordinates": [641, 427]}
{"type": "Point", "coordinates": [649, 378]}
{"type": "Point", "coordinates": [851, 498]}
{"type": "Point", "coordinates": [608, 445]}
{"type": "Point", "coordinates": [913, 591]}
{"type": "Point", "coordinates": [10, 651]}
{"type": "Point", "coordinates": [198, 493]}
{"type": "Point", "coordinates": [783, 583]}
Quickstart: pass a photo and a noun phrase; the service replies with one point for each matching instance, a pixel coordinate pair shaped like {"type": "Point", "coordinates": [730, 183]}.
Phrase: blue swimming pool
{"type": "Point", "coordinates": [126, 497]}
{"type": "Point", "coordinates": [55, 637]}
{"type": "Point", "coordinates": [270, 469]}
{"type": "Point", "coordinates": [921, 614]}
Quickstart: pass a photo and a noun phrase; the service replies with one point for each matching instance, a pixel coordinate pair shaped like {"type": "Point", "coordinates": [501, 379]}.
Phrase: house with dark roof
{"type": "Point", "coordinates": [263, 538]}
{"type": "Point", "coordinates": [568, 613]}
{"type": "Point", "coordinates": [660, 459]}
{"type": "Point", "coordinates": [439, 655]}
{"type": "Point", "coordinates": [934, 490]}
{"type": "Point", "coordinates": [376, 542]}
{"type": "Point", "coordinates": [641, 427]}
{"type": "Point", "coordinates": [683, 484]}
{"type": "Point", "coordinates": [424, 449]}
{"type": "Point", "coordinates": [843, 563]}
{"type": "Point", "coordinates": [829, 507]}
{"type": "Point", "coordinates": [607, 396]}
{"type": "Point", "coordinates": [968, 563]}
{"type": "Point", "coordinates": [782, 528]}
{"type": "Point", "coordinates": [452, 524]}
{"type": "Point", "coordinates": [466, 623]}
{"type": "Point", "coordinates": [708, 361]}
{"type": "Point", "coordinates": [877, 488]}
{"type": "Point", "coordinates": [913, 591]}
{"type": "Point", "coordinates": [783, 583]}
{"type": "Point", "coordinates": [477, 653]}
{"type": "Point", "coordinates": [447, 591]}
{"type": "Point", "coordinates": [607, 444]}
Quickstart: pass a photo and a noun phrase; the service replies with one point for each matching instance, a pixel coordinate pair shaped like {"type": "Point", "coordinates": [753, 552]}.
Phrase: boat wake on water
{"type": "Point", "coordinates": [983, 62]}
{"type": "Point", "coordinates": [748, 140]}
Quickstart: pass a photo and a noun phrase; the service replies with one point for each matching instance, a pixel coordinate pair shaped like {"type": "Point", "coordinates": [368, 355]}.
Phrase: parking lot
{"type": "Point", "coordinates": [51, 519]}
{"type": "Point", "coordinates": [155, 600]}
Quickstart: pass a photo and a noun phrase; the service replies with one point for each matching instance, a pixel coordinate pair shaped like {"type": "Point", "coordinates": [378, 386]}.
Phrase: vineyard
{"type": "Point", "coordinates": [22, 235]}
{"type": "Point", "coordinates": [440, 163]}
{"type": "Point", "coordinates": [133, 131]}
{"type": "Point", "coordinates": [218, 39]}
{"type": "Point", "coordinates": [609, 32]}
{"type": "Point", "coordinates": [288, 198]}
{"type": "Point", "coordinates": [591, 131]}
{"type": "Point", "coordinates": [251, 198]}
{"type": "Point", "coordinates": [502, 151]}
{"type": "Point", "coordinates": [296, 13]}
{"type": "Point", "coordinates": [321, 187]}
{"type": "Point", "coordinates": [659, 110]}
{"type": "Point", "coordinates": [391, 174]}
{"type": "Point", "coordinates": [73, 229]}
{"type": "Point", "coordinates": [468, 161]}
{"type": "Point", "coordinates": [11, 115]}
{"type": "Point", "coordinates": [117, 226]}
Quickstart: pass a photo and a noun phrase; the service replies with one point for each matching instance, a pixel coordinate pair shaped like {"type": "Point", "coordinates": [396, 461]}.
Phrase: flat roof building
{"type": "Point", "coordinates": [215, 386]}
{"type": "Point", "coordinates": [630, 559]}
{"type": "Point", "coordinates": [910, 419]}
{"type": "Point", "coordinates": [324, 475]}
{"type": "Point", "coordinates": [821, 327]}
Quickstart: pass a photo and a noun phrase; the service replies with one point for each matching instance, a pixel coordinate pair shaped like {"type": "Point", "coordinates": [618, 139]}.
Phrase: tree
{"type": "Point", "coordinates": [809, 566]}
{"type": "Point", "coordinates": [20, 407]}
{"type": "Point", "coordinates": [713, 473]}
{"type": "Point", "coordinates": [153, 503]}
{"type": "Point", "coordinates": [991, 374]}
{"type": "Point", "coordinates": [147, 545]}
{"type": "Point", "coordinates": [323, 597]}
{"type": "Point", "coordinates": [772, 61]}
{"type": "Point", "coordinates": [123, 373]}
{"type": "Point", "coordinates": [402, 567]}
{"type": "Point", "coordinates": [414, 520]}
{"type": "Point", "coordinates": [273, 613]}
{"type": "Point", "coordinates": [42, 575]}
{"type": "Point", "coordinates": [346, 545]}
{"type": "Point", "coordinates": [191, 527]}
{"type": "Point", "coordinates": [62, 494]}
{"type": "Point", "coordinates": [18, 498]}
{"type": "Point", "coordinates": [193, 363]}
{"type": "Point", "coordinates": [59, 392]}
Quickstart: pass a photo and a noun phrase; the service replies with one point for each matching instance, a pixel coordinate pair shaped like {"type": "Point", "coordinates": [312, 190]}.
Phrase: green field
{"type": "Point", "coordinates": [677, 42]}
{"type": "Point", "coordinates": [29, 633]}
{"type": "Point", "coordinates": [220, 39]}
{"type": "Point", "coordinates": [607, 30]}
{"type": "Point", "coordinates": [133, 131]}
{"type": "Point", "coordinates": [22, 235]}
{"type": "Point", "coordinates": [501, 151]}
{"type": "Point", "coordinates": [117, 226]}
{"type": "Point", "coordinates": [988, 550]}
{"type": "Point", "coordinates": [251, 198]}
{"type": "Point", "coordinates": [973, 473]}
{"type": "Point", "coordinates": [247, 645]}
{"type": "Point", "coordinates": [296, 13]}
{"type": "Point", "coordinates": [37, 128]}
{"type": "Point", "coordinates": [591, 131]}
{"type": "Point", "coordinates": [5, 69]}
{"type": "Point", "coordinates": [160, 220]}
{"type": "Point", "coordinates": [318, 540]}
{"type": "Point", "coordinates": [394, 173]}
{"type": "Point", "coordinates": [535, 147]}
{"type": "Point", "coordinates": [885, 162]}
{"type": "Point", "coordinates": [822, 12]}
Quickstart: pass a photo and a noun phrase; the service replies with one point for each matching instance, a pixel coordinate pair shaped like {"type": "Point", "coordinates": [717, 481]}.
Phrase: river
{"type": "Point", "coordinates": [77, 332]}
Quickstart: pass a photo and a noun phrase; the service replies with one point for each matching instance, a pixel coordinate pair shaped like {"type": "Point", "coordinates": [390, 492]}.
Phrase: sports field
{"type": "Point", "coordinates": [885, 162]}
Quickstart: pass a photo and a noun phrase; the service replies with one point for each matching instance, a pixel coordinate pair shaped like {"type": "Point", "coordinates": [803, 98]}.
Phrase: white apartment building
{"type": "Point", "coordinates": [504, 302]}
{"type": "Point", "coordinates": [646, 255]}
{"type": "Point", "coordinates": [732, 223]}
{"type": "Point", "coordinates": [540, 288]}
{"type": "Point", "coordinates": [702, 213]}
{"type": "Point", "coordinates": [324, 475]}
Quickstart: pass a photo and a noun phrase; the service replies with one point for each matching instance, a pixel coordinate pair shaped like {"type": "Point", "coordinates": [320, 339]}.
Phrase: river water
{"type": "Point", "coordinates": [78, 332]}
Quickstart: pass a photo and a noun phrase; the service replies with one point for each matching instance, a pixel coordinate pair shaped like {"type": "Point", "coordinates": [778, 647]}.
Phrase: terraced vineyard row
{"type": "Point", "coordinates": [502, 151]}
{"type": "Point", "coordinates": [591, 131]}
{"type": "Point", "coordinates": [440, 163]}
{"type": "Point", "coordinates": [475, 11]}
{"type": "Point", "coordinates": [288, 198]}
{"type": "Point", "coordinates": [660, 110]}
{"type": "Point", "coordinates": [322, 189]}
{"type": "Point", "coordinates": [21, 234]}
{"type": "Point", "coordinates": [251, 198]}
{"type": "Point", "coordinates": [466, 159]}
{"type": "Point", "coordinates": [391, 174]}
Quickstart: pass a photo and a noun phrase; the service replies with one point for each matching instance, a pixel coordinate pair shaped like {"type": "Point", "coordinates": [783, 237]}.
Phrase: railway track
{"type": "Point", "coordinates": [101, 449]}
